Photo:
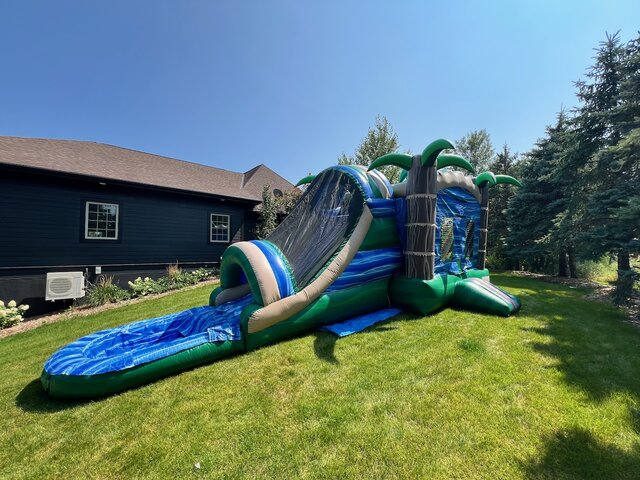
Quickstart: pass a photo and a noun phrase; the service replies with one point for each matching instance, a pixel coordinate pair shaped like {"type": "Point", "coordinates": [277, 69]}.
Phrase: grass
{"type": "Point", "coordinates": [553, 392]}
{"type": "Point", "coordinates": [604, 271]}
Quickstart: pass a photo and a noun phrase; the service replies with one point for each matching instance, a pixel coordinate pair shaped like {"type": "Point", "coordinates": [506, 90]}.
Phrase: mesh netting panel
{"type": "Point", "coordinates": [321, 221]}
{"type": "Point", "coordinates": [446, 239]}
{"type": "Point", "coordinates": [469, 240]}
{"type": "Point", "coordinates": [459, 206]}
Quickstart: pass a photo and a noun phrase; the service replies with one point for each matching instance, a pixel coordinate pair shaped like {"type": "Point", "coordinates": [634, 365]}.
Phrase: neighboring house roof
{"type": "Point", "coordinates": [108, 162]}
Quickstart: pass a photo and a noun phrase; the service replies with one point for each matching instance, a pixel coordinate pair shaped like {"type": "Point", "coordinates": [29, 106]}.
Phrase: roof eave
{"type": "Point", "coordinates": [76, 176]}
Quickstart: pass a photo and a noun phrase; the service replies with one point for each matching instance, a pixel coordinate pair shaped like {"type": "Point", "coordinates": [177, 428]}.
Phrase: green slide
{"type": "Point", "coordinates": [481, 296]}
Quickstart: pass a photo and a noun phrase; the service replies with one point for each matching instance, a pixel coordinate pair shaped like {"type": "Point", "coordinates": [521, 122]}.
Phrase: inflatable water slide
{"type": "Point", "coordinates": [354, 250]}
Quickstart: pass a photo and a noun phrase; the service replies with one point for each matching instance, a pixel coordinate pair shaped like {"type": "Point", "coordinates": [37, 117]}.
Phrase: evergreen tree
{"type": "Point", "coordinates": [476, 147]}
{"type": "Point", "coordinates": [613, 214]}
{"type": "Point", "coordinates": [380, 140]}
{"type": "Point", "coordinates": [533, 210]}
{"type": "Point", "coordinates": [560, 239]}
{"type": "Point", "coordinates": [581, 191]}
{"type": "Point", "coordinates": [504, 163]}
{"type": "Point", "coordinates": [589, 131]}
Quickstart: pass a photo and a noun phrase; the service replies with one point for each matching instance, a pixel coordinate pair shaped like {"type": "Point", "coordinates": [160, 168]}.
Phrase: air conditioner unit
{"type": "Point", "coordinates": [64, 285]}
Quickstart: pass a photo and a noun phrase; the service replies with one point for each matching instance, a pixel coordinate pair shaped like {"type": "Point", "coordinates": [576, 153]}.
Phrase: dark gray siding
{"type": "Point", "coordinates": [43, 224]}
{"type": "Point", "coordinates": [42, 229]}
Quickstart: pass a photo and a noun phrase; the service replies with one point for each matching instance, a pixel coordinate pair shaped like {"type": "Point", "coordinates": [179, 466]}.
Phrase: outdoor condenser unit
{"type": "Point", "coordinates": [64, 285]}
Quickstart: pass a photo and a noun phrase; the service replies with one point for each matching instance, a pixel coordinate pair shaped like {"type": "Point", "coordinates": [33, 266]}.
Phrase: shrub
{"type": "Point", "coordinates": [11, 313]}
{"type": "Point", "coordinates": [178, 281]}
{"type": "Point", "coordinates": [201, 273]}
{"type": "Point", "coordinates": [604, 270]}
{"type": "Point", "coordinates": [177, 278]}
{"type": "Point", "coordinates": [174, 272]}
{"type": "Point", "coordinates": [105, 291]}
{"type": "Point", "coordinates": [148, 286]}
{"type": "Point", "coordinates": [274, 209]}
{"type": "Point", "coordinates": [496, 262]}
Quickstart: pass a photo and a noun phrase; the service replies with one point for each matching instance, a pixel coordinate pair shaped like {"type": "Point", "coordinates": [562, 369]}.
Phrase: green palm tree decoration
{"type": "Point", "coordinates": [306, 180]}
{"type": "Point", "coordinates": [507, 179]}
{"type": "Point", "coordinates": [421, 202]}
{"type": "Point", "coordinates": [484, 182]}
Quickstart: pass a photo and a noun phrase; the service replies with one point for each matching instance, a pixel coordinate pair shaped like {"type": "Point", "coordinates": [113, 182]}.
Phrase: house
{"type": "Point", "coordinates": [100, 209]}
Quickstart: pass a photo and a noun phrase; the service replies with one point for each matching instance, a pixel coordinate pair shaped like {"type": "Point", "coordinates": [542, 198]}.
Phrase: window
{"type": "Point", "coordinates": [101, 221]}
{"type": "Point", "coordinates": [446, 239]}
{"type": "Point", "coordinates": [219, 228]}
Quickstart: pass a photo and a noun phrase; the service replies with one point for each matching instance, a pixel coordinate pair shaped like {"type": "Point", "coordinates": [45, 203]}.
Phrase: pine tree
{"type": "Point", "coordinates": [380, 140]}
{"type": "Point", "coordinates": [504, 163]}
{"type": "Point", "coordinates": [614, 201]}
{"type": "Point", "coordinates": [581, 189]}
{"type": "Point", "coordinates": [588, 132]}
{"type": "Point", "coordinates": [561, 239]}
{"type": "Point", "coordinates": [532, 210]}
{"type": "Point", "coordinates": [476, 147]}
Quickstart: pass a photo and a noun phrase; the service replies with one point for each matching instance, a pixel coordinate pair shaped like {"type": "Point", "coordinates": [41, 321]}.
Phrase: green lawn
{"type": "Point", "coordinates": [553, 392]}
{"type": "Point", "coordinates": [603, 271]}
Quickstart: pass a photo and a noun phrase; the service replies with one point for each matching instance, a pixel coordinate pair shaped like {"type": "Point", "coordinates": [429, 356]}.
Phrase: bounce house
{"type": "Point", "coordinates": [355, 250]}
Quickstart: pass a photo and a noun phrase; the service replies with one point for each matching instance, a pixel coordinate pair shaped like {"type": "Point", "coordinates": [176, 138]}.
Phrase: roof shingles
{"type": "Point", "coordinates": [109, 162]}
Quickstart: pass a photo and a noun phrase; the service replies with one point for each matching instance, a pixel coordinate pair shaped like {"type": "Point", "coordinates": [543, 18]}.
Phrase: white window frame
{"type": "Point", "coordinates": [86, 220]}
{"type": "Point", "coordinates": [211, 215]}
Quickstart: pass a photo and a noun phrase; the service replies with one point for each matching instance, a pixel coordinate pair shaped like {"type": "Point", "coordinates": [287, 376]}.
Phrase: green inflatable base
{"type": "Point", "coordinates": [481, 296]}
{"type": "Point", "coordinates": [92, 386]}
{"type": "Point", "coordinates": [471, 291]}
{"type": "Point", "coordinates": [329, 308]}
{"type": "Point", "coordinates": [419, 296]}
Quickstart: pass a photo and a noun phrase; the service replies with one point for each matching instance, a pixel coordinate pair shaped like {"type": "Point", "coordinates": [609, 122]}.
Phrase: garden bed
{"type": "Point", "coordinates": [85, 310]}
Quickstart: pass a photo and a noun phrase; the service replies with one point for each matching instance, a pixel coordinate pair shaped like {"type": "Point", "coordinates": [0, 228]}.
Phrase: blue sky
{"type": "Point", "coordinates": [293, 83]}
